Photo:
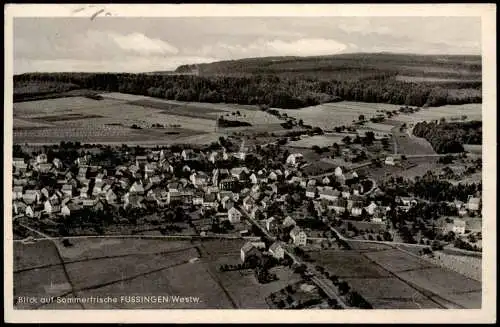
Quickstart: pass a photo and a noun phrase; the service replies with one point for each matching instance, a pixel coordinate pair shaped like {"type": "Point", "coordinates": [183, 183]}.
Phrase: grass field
{"type": "Point", "coordinates": [110, 120]}
{"type": "Point", "coordinates": [133, 267]}
{"type": "Point", "coordinates": [389, 278]}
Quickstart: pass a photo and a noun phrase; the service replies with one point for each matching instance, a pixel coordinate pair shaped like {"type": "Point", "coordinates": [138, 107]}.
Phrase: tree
{"type": "Point", "coordinates": [346, 140]}
{"type": "Point", "coordinates": [343, 287]}
{"type": "Point", "coordinates": [361, 117]}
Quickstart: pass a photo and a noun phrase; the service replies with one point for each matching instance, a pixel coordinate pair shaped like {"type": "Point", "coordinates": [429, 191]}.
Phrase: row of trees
{"type": "Point", "coordinates": [279, 92]}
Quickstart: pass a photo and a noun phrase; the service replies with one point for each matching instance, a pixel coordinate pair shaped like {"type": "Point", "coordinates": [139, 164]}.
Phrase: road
{"type": "Point", "coordinates": [327, 289]}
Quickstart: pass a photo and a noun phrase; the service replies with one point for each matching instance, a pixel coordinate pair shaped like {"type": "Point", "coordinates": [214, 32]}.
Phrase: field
{"type": "Point", "coordinates": [110, 120]}
{"type": "Point", "coordinates": [318, 140]}
{"type": "Point", "coordinates": [389, 278]}
{"type": "Point", "coordinates": [140, 267]}
{"type": "Point", "coordinates": [329, 115]}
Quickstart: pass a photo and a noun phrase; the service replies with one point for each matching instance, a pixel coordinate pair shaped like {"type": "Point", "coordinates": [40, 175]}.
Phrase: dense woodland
{"type": "Point", "coordinates": [272, 90]}
{"type": "Point", "coordinates": [449, 137]}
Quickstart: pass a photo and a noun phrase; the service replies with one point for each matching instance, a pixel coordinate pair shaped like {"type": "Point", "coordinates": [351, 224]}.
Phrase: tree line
{"type": "Point", "coordinates": [275, 91]}
{"type": "Point", "coordinates": [449, 137]}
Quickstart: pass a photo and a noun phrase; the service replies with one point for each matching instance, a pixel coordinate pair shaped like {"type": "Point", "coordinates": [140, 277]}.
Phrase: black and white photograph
{"type": "Point", "coordinates": [325, 162]}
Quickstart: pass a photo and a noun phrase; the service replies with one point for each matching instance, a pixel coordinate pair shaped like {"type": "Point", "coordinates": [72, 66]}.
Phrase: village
{"type": "Point", "coordinates": [215, 193]}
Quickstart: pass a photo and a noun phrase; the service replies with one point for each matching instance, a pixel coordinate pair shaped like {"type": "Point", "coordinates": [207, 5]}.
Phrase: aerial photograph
{"type": "Point", "coordinates": [246, 162]}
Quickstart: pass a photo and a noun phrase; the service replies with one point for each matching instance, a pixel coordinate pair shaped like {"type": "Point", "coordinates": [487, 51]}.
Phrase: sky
{"type": "Point", "coordinates": [129, 44]}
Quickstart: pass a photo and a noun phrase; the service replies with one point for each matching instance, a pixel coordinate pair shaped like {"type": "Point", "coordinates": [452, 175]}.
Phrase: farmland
{"type": "Point", "coordinates": [140, 267]}
{"type": "Point", "coordinates": [390, 278]}
{"type": "Point", "coordinates": [108, 121]}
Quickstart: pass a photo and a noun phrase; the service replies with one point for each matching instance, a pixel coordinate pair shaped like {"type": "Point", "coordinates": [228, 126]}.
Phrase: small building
{"type": "Point", "coordinates": [338, 172]}
{"type": "Point", "coordinates": [459, 226]}
{"type": "Point", "coordinates": [234, 215]}
{"type": "Point", "coordinates": [288, 222]}
{"type": "Point", "coordinates": [329, 194]}
{"type": "Point", "coordinates": [474, 203]}
{"type": "Point", "coordinates": [277, 251]}
{"type": "Point", "coordinates": [311, 192]}
{"type": "Point", "coordinates": [298, 236]}
{"type": "Point", "coordinates": [17, 192]}
{"type": "Point", "coordinates": [295, 159]}
{"type": "Point", "coordinates": [52, 207]}
{"type": "Point", "coordinates": [137, 188]}
{"type": "Point", "coordinates": [252, 249]}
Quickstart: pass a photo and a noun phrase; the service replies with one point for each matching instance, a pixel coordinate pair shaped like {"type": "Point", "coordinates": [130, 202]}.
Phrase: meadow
{"type": "Point", "coordinates": [389, 278]}
{"type": "Point", "coordinates": [131, 267]}
{"type": "Point", "coordinates": [110, 120]}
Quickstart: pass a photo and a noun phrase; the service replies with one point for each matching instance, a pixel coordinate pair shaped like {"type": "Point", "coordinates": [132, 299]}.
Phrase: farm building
{"type": "Point", "coordinates": [295, 159]}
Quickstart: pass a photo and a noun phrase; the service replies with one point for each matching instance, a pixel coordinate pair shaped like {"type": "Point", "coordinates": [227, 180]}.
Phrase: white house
{"type": "Point", "coordinates": [474, 203]}
{"type": "Point", "coordinates": [234, 215]}
{"type": "Point", "coordinates": [288, 221]}
{"type": "Point", "coordinates": [111, 196]}
{"type": "Point", "coordinates": [41, 158]}
{"type": "Point", "coordinates": [370, 209]}
{"type": "Point", "coordinates": [459, 226]}
{"type": "Point", "coordinates": [277, 251]}
{"type": "Point", "coordinates": [137, 188]}
{"type": "Point", "coordinates": [329, 195]}
{"type": "Point", "coordinates": [311, 192]}
{"type": "Point", "coordinates": [17, 192]}
{"type": "Point", "coordinates": [298, 236]}
{"type": "Point", "coordinates": [338, 172]}
{"type": "Point", "coordinates": [52, 207]}
{"type": "Point", "coordinates": [295, 159]}
{"type": "Point", "coordinates": [248, 203]}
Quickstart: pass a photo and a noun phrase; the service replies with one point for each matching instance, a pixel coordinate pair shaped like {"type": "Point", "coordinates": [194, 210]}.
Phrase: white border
{"type": "Point", "coordinates": [487, 12]}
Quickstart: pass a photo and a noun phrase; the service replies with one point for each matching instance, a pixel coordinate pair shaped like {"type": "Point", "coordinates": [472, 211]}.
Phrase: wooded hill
{"type": "Point", "coordinates": [293, 82]}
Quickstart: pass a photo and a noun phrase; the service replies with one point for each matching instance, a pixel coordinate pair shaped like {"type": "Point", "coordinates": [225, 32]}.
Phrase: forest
{"type": "Point", "coordinates": [449, 137]}
{"type": "Point", "coordinates": [260, 89]}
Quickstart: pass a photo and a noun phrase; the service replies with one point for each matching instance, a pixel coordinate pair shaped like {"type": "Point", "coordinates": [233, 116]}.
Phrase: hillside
{"type": "Point", "coordinates": [297, 82]}
{"type": "Point", "coordinates": [349, 66]}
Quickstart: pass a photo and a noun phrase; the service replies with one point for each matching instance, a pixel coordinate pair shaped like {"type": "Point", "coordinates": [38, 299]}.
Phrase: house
{"type": "Point", "coordinates": [370, 209]}
{"type": "Point", "coordinates": [356, 211]}
{"type": "Point", "coordinates": [272, 176]}
{"type": "Point", "coordinates": [140, 161]}
{"type": "Point", "coordinates": [84, 192]}
{"type": "Point", "coordinates": [18, 207]}
{"type": "Point", "coordinates": [228, 183]}
{"type": "Point", "coordinates": [295, 159]}
{"type": "Point", "coordinates": [30, 212]}
{"type": "Point", "coordinates": [277, 251]}
{"type": "Point", "coordinates": [150, 168]}
{"type": "Point", "coordinates": [462, 211]}
{"type": "Point", "coordinates": [329, 194]}
{"type": "Point", "coordinates": [199, 179]}
{"type": "Point", "coordinates": [234, 215]}
{"type": "Point", "coordinates": [256, 213]}
{"type": "Point", "coordinates": [155, 180]}
{"type": "Point", "coordinates": [248, 203]}
{"type": "Point", "coordinates": [288, 222]}
{"type": "Point", "coordinates": [41, 158]}
{"type": "Point", "coordinates": [16, 162]}
{"type": "Point", "coordinates": [67, 190]}
{"type": "Point", "coordinates": [89, 202]}
{"type": "Point", "coordinates": [253, 179]}
{"type": "Point", "coordinates": [17, 192]}
{"type": "Point", "coordinates": [248, 250]}
{"type": "Point", "coordinates": [32, 196]}
{"type": "Point", "coordinates": [52, 207]}
{"type": "Point", "coordinates": [326, 181]}
{"type": "Point", "coordinates": [474, 203]}
{"type": "Point", "coordinates": [198, 198]}
{"type": "Point", "coordinates": [83, 161]}
{"type": "Point", "coordinates": [70, 208]}
{"type": "Point", "coordinates": [311, 192]}
{"type": "Point", "coordinates": [298, 236]}
{"type": "Point", "coordinates": [251, 249]}
{"type": "Point", "coordinates": [459, 226]}
{"type": "Point", "coordinates": [210, 200]}
{"type": "Point", "coordinates": [239, 172]}
{"type": "Point", "coordinates": [227, 202]}
{"type": "Point", "coordinates": [82, 172]}
{"type": "Point", "coordinates": [338, 172]}
{"type": "Point", "coordinates": [265, 202]}
{"type": "Point", "coordinates": [271, 224]}
{"type": "Point", "coordinates": [137, 188]}
{"type": "Point", "coordinates": [44, 167]}
{"type": "Point", "coordinates": [111, 196]}
{"type": "Point", "coordinates": [188, 154]}
{"type": "Point", "coordinates": [133, 201]}
{"type": "Point", "coordinates": [391, 161]}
